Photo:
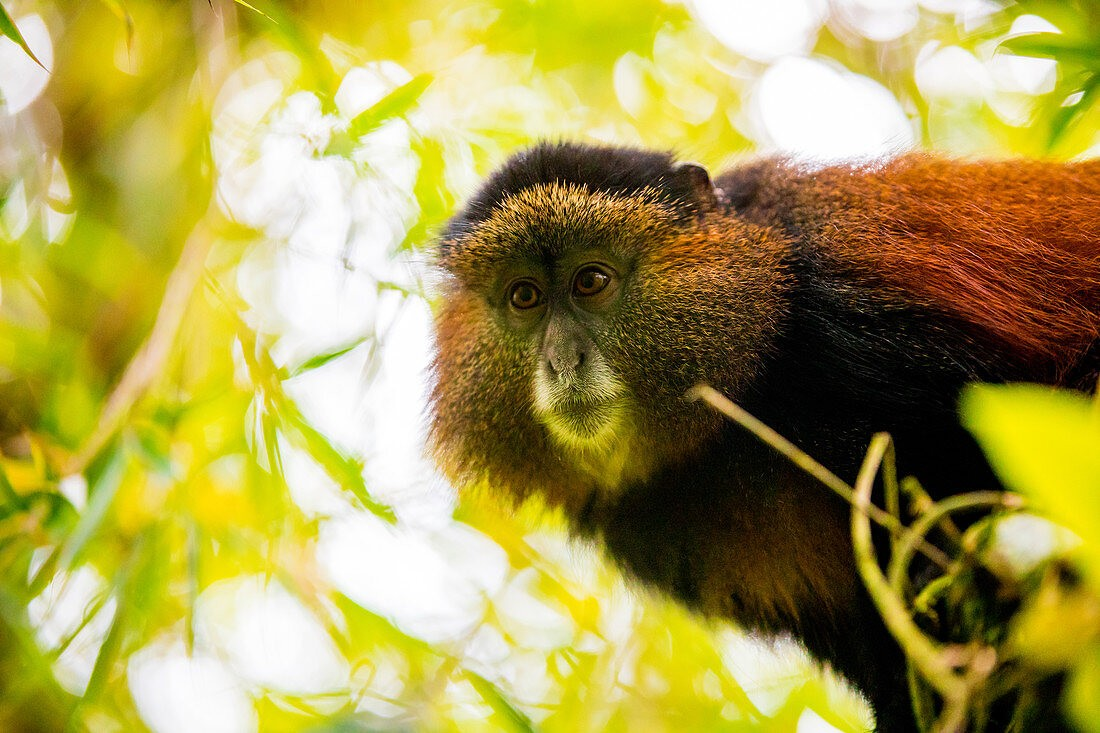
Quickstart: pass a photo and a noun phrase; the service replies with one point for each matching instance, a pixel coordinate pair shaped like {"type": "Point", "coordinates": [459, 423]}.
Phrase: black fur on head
{"type": "Point", "coordinates": [599, 168]}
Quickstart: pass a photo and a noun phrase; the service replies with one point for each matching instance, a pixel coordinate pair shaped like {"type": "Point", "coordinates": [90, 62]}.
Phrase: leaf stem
{"type": "Point", "coordinates": [804, 461]}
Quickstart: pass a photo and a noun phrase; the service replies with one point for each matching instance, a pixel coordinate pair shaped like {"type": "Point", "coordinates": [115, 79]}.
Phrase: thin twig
{"type": "Point", "coordinates": [926, 656]}
{"type": "Point", "coordinates": [148, 363]}
{"type": "Point", "coordinates": [804, 461]}
{"type": "Point", "coordinates": [921, 502]}
{"type": "Point", "coordinates": [890, 482]}
{"type": "Point", "coordinates": [903, 552]}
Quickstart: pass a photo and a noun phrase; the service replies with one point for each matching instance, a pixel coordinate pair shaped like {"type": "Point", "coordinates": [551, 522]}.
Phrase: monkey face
{"type": "Point", "coordinates": [572, 323]}
{"type": "Point", "coordinates": [537, 292]}
{"type": "Point", "coordinates": [576, 393]}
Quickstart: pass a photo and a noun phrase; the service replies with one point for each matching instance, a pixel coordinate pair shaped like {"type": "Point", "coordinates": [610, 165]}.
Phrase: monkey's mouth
{"type": "Point", "coordinates": [584, 422]}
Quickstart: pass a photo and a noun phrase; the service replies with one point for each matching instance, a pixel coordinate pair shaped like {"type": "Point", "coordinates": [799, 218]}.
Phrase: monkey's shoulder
{"type": "Point", "coordinates": [775, 189]}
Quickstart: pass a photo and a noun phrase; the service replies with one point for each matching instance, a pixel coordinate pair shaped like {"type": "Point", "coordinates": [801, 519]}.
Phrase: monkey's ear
{"type": "Point", "coordinates": [703, 193]}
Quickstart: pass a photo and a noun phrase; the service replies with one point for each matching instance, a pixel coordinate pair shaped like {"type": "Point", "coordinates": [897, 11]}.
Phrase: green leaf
{"type": "Point", "coordinates": [1053, 46]}
{"type": "Point", "coordinates": [102, 496]}
{"type": "Point", "coordinates": [119, 10]}
{"type": "Point", "coordinates": [397, 102]}
{"type": "Point", "coordinates": [430, 190]}
{"type": "Point", "coordinates": [343, 469]}
{"type": "Point", "coordinates": [8, 28]}
{"type": "Point", "coordinates": [394, 104]}
{"type": "Point", "coordinates": [1083, 692]}
{"type": "Point", "coordinates": [321, 359]}
{"type": "Point", "coordinates": [1044, 443]}
{"type": "Point", "coordinates": [504, 712]}
{"type": "Point", "coordinates": [254, 9]}
{"type": "Point", "coordinates": [1066, 115]}
{"type": "Point", "coordinates": [10, 498]}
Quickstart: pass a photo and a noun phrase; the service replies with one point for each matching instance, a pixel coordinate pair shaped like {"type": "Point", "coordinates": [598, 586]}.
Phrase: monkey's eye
{"type": "Point", "coordinates": [524, 295]}
{"type": "Point", "coordinates": [590, 280]}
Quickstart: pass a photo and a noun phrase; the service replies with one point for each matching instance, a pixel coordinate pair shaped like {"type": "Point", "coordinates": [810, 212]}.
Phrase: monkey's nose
{"type": "Point", "coordinates": [564, 362]}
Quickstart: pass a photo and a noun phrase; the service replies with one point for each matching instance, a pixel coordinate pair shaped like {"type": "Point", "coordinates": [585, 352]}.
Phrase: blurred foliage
{"type": "Point", "coordinates": [214, 218]}
{"type": "Point", "coordinates": [9, 30]}
{"type": "Point", "coordinates": [1046, 445]}
{"type": "Point", "coordinates": [1074, 42]}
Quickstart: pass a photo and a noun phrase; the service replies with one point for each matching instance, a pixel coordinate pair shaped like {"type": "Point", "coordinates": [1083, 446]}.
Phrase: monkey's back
{"type": "Point", "coordinates": [1008, 249]}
